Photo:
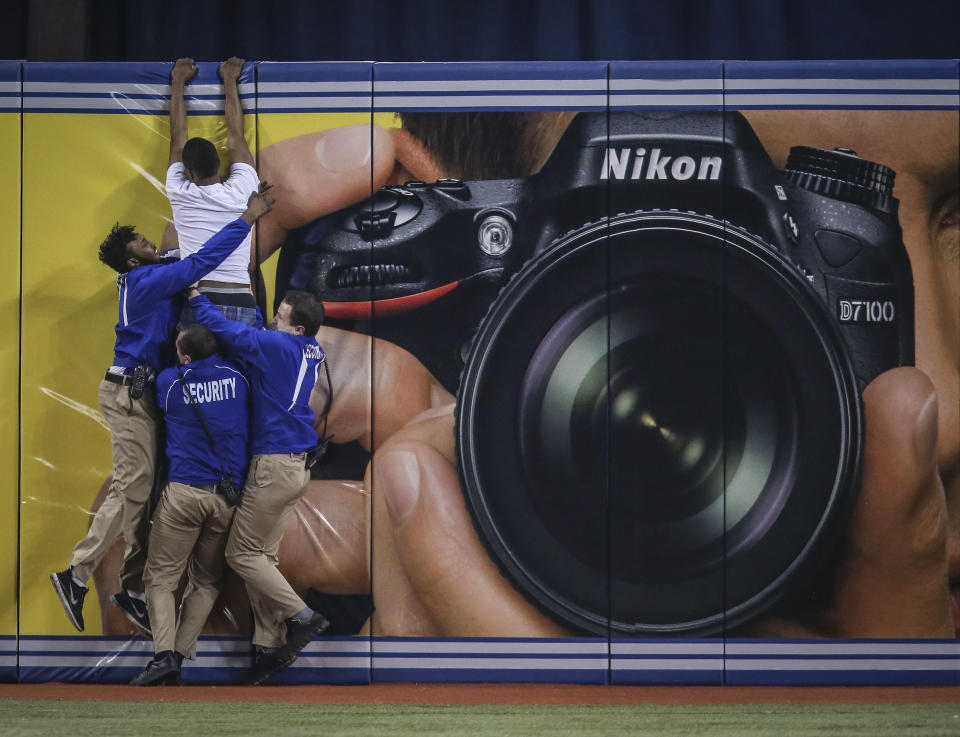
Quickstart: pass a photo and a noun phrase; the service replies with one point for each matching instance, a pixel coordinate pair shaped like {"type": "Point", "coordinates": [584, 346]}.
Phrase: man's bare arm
{"type": "Point", "coordinates": [233, 112]}
{"type": "Point", "coordinates": [183, 71]}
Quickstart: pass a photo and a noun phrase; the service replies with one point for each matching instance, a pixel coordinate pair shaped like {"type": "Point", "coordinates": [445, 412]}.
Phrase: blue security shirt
{"type": "Point", "coordinates": [148, 311]}
{"type": "Point", "coordinates": [282, 369]}
{"type": "Point", "coordinates": [221, 392]}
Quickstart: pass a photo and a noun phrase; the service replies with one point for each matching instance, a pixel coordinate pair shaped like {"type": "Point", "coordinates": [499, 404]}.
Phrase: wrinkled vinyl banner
{"type": "Point", "coordinates": [611, 351]}
{"type": "Point", "coordinates": [9, 349]}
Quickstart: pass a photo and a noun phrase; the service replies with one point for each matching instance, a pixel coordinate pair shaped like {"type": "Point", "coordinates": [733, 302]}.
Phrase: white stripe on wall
{"type": "Point", "coordinates": [893, 99]}
{"type": "Point", "coordinates": [842, 84]}
{"type": "Point", "coordinates": [490, 101]}
{"type": "Point", "coordinates": [492, 663]}
{"type": "Point", "coordinates": [129, 88]}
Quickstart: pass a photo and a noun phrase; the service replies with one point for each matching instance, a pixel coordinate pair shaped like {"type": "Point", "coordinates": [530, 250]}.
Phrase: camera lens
{"type": "Point", "coordinates": [657, 427]}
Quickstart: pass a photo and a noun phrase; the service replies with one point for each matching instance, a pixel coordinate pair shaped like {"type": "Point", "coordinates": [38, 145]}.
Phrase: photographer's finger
{"type": "Point", "coordinates": [894, 582]}
{"type": "Point", "coordinates": [448, 569]}
{"type": "Point", "coordinates": [319, 173]}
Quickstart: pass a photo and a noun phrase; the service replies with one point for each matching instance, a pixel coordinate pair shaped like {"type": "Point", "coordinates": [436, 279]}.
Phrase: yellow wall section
{"type": "Point", "coordinates": [9, 365]}
{"type": "Point", "coordinates": [82, 174]}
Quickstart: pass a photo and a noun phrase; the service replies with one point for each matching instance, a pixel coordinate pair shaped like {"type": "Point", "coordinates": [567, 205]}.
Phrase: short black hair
{"type": "Point", "coordinates": [113, 250]}
{"type": "Point", "coordinates": [305, 309]}
{"type": "Point", "coordinates": [196, 340]}
{"type": "Point", "coordinates": [201, 157]}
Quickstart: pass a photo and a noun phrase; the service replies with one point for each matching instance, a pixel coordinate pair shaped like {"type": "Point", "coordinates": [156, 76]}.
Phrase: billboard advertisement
{"type": "Point", "coordinates": [638, 372]}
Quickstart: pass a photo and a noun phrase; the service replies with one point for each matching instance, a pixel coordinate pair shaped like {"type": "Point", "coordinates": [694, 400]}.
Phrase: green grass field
{"type": "Point", "coordinates": [50, 718]}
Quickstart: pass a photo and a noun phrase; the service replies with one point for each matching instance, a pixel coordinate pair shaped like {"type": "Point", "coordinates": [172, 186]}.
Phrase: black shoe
{"type": "Point", "coordinates": [299, 634]}
{"type": "Point", "coordinates": [71, 596]}
{"type": "Point", "coordinates": [133, 609]}
{"type": "Point", "coordinates": [163, 670]}
{"type": "Point", "coordinates": [265, 664]}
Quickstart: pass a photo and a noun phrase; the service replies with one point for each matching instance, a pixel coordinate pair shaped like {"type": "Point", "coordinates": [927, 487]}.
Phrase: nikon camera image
{"type": "Point", "coordinates": [658, 344]}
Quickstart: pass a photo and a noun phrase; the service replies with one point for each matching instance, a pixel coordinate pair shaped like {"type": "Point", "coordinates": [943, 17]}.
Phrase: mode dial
{"type": "Point", "coordinates": [843, 175]}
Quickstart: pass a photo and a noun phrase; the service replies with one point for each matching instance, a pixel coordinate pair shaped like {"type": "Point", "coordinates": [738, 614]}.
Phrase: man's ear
{"type": "Point", "coordinates": [299, 329]}
{"type": "Point", "coordinates": [132, 263]}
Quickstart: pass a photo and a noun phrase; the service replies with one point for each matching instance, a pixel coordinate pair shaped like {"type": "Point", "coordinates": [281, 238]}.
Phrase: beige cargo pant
{"type": "Point", "coordinates": [274, 485]}
{"type": "Point", "coordinates": [189, 525]}
{"type": "Point", "coordinates": [133, 440]}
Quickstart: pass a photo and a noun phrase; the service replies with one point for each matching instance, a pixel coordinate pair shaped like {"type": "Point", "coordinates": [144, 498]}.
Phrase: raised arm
{"type": "Point", "coordinates": [242, 340]}
{"type": "Point", "coordinates": [237, 146]}
{"type": "Point", "coordinates": [183, 71]}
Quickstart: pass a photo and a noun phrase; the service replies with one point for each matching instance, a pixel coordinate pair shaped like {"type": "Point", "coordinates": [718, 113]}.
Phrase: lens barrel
{"type": "Point", "coordinates": [658, 427]}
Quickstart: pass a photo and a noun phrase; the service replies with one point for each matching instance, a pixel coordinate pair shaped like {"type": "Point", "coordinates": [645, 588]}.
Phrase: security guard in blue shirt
{"type": "Point", "coordinates": [204, 401]}
{"type": "Point", "coordinates": [282, 365]}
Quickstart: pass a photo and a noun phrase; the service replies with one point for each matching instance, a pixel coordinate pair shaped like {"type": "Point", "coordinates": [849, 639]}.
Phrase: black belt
{"type": "Point", "coordinates": [119, 379]}
{"type": "Point", "coordinates": [212, 488]}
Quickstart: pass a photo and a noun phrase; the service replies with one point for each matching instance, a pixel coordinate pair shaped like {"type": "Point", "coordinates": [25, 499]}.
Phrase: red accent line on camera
{"type": "Point", "coordinates": [385, 307]}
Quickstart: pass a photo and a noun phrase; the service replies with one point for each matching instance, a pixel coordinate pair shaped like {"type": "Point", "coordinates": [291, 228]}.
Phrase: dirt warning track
{"type": "Point", "coordinates": [445, 693]}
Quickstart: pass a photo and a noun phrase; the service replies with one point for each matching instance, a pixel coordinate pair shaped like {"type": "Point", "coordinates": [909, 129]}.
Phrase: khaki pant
{"type": "Point", "coordinates": [274, 485]}
{"type": "Point", "coordinates": [189, 524]}
{"type": "Point", "coordinates": [133, 441]}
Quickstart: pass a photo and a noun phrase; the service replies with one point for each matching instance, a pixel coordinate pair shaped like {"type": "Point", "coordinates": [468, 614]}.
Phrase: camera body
{"type": "Point", "coordinates": [658, 344]}
{"type": "Point", "coordinates": [411, 255]}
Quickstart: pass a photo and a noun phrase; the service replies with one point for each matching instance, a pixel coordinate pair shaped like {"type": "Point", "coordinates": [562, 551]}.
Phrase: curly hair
{"type": "Point", "coordinates": [113, 250]}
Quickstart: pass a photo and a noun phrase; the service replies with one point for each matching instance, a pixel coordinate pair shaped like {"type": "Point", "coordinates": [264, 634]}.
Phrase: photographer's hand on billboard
{"type": "Point", "coordinates": [901, 570]}
{"type": "Point", "coordinates": [431, 574]}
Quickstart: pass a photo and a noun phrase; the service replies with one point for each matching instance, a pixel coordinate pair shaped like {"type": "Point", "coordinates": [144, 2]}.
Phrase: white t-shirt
{"type": "Point", "coordinates": [200, 212]}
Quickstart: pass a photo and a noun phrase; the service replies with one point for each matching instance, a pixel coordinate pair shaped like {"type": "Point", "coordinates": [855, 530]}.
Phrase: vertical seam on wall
{"type": "Point", "coordinates": [19, 373]}
{"type": "Point", "coordinates": [373, 343]}
{"type": "Point", "coordinates": [256, 162]}
{"type": "Point", "coordinates": [724, 322]}
{"type": "Point", "coordinates": [609, 439]}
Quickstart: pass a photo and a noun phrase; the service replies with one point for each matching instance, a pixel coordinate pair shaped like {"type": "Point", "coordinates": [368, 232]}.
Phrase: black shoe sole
{"type": "Point", "coordinates": [65, 601]}
{"type": "Point", "coordinates": [164, 679]}
{"type": "Point", "coordinates": [287, 654]}
{"type": "Point", "coordinates": [130, 617]}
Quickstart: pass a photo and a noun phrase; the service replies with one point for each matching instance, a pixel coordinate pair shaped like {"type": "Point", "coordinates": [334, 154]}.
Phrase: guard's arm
{"type": "Point", "coordinates": [241, 339]}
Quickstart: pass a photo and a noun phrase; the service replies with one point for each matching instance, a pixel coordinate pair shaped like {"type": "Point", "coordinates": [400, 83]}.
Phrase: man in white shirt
{"type": "Point", "coordinates": [201, 203]}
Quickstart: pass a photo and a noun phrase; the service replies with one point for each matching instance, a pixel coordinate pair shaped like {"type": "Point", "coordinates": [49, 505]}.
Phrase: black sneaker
{"type": "Point", "coordinates": [163, 670]}
{"type": "Point", "coordinates": [265, 664]}
{"type": "Point", "coordinates": [71, 596]}
{"type": "Point", "coordinates": [133, 609]}
{"type": "Point", "coordinates": [299, 634]}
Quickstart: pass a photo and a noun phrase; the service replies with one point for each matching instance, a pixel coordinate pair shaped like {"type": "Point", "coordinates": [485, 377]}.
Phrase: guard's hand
{"type": "Point", "coordinates": [259, 203]}
{"type": "Point", "coordinates": [183, 71]}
